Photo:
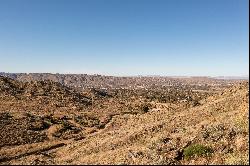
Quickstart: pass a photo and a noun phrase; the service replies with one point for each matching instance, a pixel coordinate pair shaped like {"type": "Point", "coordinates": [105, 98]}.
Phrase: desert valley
{"type": "Point", "coordinates": [94, 119]}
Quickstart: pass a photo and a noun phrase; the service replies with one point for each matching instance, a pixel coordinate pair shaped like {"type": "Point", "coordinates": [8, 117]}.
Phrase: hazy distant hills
{"type": "Point", "coordinates": [233, 77]}
{"type": "Point", "coordinates": [100, 81]}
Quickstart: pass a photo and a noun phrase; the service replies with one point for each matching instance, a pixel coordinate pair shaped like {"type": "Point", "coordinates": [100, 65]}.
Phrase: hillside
{"type": "Point", "coordinates": [44, 122]}
{"type": "Point", "coordinates": [162, 136]}
{"type": "Point", "coordinates": [81, 81]}
{"type": "Point", "coordinates": [29, 110]}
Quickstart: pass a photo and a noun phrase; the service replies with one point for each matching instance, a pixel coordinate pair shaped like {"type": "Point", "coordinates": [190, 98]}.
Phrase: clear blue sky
{"type": "Point", "coordinates": [125, 37]}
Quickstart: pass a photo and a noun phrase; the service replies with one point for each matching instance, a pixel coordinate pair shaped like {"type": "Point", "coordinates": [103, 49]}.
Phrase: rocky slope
{"type": "Point", "coordinates": [167, 136]}
{"type": "Point", "coordinates": [72, 131]}
{"type": "Point", "coordinates": [30, 111]}
{"type": "Point", "coordinates": [99, 81]}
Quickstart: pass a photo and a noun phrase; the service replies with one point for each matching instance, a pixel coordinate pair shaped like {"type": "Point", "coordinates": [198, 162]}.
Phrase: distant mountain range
{"type": "Point", "coordinates": [101, 81]}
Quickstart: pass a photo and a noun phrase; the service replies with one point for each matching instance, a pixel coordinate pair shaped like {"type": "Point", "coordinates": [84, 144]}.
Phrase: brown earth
{"type": "Point", "coordinates": [43, 122]}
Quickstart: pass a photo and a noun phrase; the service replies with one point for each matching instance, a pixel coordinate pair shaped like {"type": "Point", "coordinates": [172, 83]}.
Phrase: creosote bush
{"type": "Point", "coordinates": [196, 150]}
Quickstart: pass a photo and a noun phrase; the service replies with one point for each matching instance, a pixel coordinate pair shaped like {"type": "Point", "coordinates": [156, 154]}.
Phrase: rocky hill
{"type": "Point", "coordinates": [29, 109]}
{"type": "Point", "coordinates": [215, 132]}
{"type": "Point", "coordinates": [46, 93]}
{"type": "Point", "coordinates": [44, 122]}
{"type": "Point", "coordinates": [99, 81]}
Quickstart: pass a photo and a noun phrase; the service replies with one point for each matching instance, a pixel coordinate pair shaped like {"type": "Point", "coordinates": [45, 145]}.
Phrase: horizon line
{"type": "Point", "coordinates": [138, 75]}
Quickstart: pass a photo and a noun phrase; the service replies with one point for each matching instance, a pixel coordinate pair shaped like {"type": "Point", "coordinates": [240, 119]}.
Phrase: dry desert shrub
{"type": "Point", "coordinates": [237, 159]}
{"type": "Point", "coordinates": [197, 150]}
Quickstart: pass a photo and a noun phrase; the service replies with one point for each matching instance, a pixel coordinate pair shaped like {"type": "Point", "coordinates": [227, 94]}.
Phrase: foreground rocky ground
{"type": "Point", "coordinates": [43, 122]}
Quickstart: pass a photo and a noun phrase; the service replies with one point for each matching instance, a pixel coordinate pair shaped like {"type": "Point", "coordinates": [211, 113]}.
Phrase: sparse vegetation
{"type": "Point", "coordinates": [242, 123]}
{"type": "Point", "coordinates": [236, 159]}
{"type": "Point", "coordinates": [124, 125]}
{"type": "Point", "coordinates": [197, 150]}
{"type": "Point", "coordinates": [87, 121]}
